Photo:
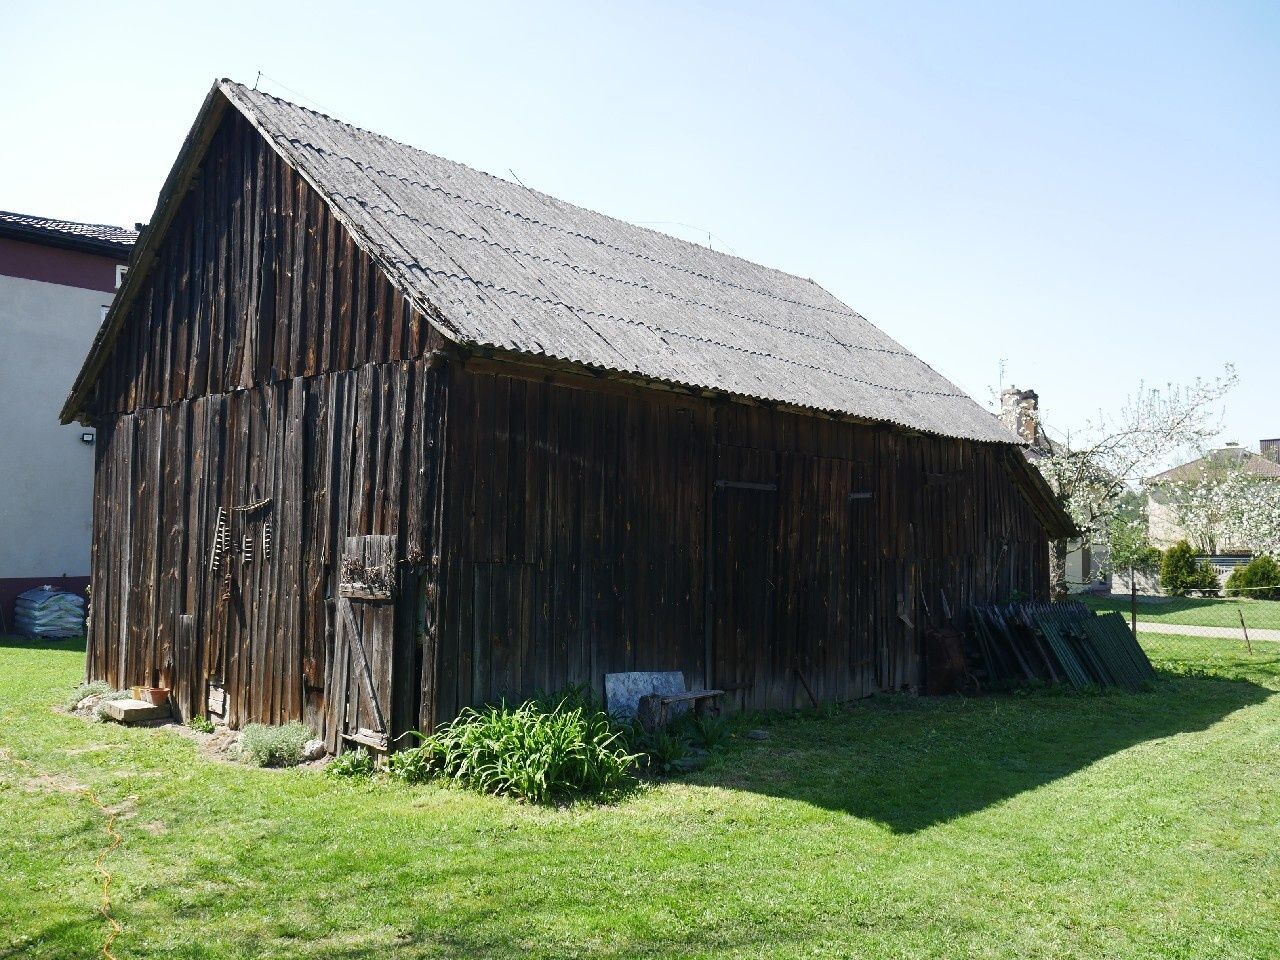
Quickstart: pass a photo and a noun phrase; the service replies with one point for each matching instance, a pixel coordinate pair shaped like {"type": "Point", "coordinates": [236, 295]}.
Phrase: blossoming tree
{"type": "Point", "coordinates": [1091, 474]}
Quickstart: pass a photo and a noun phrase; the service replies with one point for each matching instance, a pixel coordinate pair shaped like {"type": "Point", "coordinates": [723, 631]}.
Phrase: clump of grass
{"type": "Point", "coordinates": [662, 750]}
{"type": "Point", "coordinates": [414, 765]}
{"type": "Point", "coordinates": [94, 689]}
{"type": "Point", "coordinates": [357, 763]}
{"type": "Point", "coordinates": [268, 746]}
{"type": "Point", "coordinates": [201, 724]}
{"type": "Point", "coordinates": [532, 752]}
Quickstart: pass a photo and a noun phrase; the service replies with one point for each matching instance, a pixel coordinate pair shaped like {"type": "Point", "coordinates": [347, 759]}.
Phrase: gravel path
{"type": "Point", "coordinates": [1188, 630]}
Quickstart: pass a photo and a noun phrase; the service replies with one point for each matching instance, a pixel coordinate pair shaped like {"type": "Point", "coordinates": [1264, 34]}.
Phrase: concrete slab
{"type": "Point", "coordinates": [133, 711]}
{"type": "Point", "coordinates": [622, 691]}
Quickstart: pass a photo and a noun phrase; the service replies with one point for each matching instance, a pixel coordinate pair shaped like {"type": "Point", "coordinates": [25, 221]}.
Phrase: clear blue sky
{"type": "Point", "coordinates": [1089, 191]}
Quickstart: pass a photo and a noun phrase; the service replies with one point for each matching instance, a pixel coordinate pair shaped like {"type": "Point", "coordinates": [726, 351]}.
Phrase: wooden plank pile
{"type": "Point", "coordinates": [1056, 643]}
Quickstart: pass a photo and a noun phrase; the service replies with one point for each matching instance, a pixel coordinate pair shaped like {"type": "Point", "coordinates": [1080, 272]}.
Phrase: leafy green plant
{"type": "Point", "coordinates": [1205, 578]}
{"type": "Point", "coordinates": [529, 752]}
{"type": "Point", "coordinates": [412, 765]}
{"type": "Point", "coordinates": [357, 763]}
{"type": "Point", "coordinates": [94, 689]}
{"type": "Point", "coordinates": [575, 696]}
{"type": "Point", "coordinates": [201, 724]}
{"type": "Point", "coordinates": [1259, 579]}
{"type": "Point", "coordinates": [269, 746]}
{"type": "Point", "coordinates": [665, 749]}
{"type": "Point", "coordinates": [1178, 571]}
{"type": "Point", "coordinates": [710, 731]}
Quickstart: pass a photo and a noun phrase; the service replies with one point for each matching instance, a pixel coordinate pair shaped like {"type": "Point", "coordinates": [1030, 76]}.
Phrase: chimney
{"type": "Point", "coordinates": [1270, 449]}
{"type": "Point", "coordinates": [1020, 412]}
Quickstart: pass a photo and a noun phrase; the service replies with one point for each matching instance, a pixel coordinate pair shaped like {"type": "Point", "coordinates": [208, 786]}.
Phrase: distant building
{"type": "Point", "coordinates": [1164, 528]}
{"type": "Point", "coordinates": [56, 281]}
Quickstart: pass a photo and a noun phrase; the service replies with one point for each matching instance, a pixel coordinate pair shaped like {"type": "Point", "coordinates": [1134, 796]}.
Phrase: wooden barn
{"type": "Point", "coordinates": [380, 436]}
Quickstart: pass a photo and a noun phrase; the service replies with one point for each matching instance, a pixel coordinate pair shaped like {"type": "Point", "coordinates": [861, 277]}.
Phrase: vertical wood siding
{"type": "Point", "coordinates": [327, 454]}
{"type": "Point", "coordinates": [266, 359]}
{"type": "Point", "coordinates": [591, 532]}
{"type": "Point", "coordinates": [545, 533]}
{"type": "Point", "coordinates": [256, 283]}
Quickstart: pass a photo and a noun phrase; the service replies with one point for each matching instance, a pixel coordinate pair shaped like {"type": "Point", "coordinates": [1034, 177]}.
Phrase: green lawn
{"type": "Point", "coordinates": [1195, 611]}
{"type": "Point", "coordinates": [1041, 825]}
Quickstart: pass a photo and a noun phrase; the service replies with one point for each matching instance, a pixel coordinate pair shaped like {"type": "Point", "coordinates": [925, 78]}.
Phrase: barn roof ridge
{"type": "Point", "coordinates": [228, 82]}
{"type": "Point", "coordinates": [579, 286]}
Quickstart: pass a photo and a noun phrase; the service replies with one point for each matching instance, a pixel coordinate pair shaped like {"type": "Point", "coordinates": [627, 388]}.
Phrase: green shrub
{"type": "Point", "coordinates": [710, 731]}
{"type": "Point", "coordinates": [1258, 579]}
{"type": "Point", "coordinates": [1205, 578]}
{"type": "Point", "coordinates": [529, 752]}
{"type": "Point", "coordinates": [662, 751]}
{"type": "Point", "coordinates": [269, 746]}
{"type": "Point", "coordinates": [95, 689]}
{"type": "Point", "coordinates": [1148, 560]}
{"type": "Point", "coordinates": [413, 765]}
{"type": "Point", "coordinates": [201, 724]}
{"type": "Point", "coordinates": [1178, 572]}
{"type": "Point", "coordinates": [354, 763]}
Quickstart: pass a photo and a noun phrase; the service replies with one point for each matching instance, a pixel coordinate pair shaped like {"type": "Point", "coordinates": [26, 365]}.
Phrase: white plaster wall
{"type": "Point", "coordinates": [46, 471]}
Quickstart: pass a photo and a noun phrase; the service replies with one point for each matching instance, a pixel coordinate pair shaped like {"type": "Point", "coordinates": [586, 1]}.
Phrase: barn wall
{"type": "Point", "coordinates": [255, 282]}
{"type": "Point", "coordinates": [340, 455]}
{"type": "Point", "coordinates": [592, 531]}
{"type": "Point", "coordinates": [265, 358]}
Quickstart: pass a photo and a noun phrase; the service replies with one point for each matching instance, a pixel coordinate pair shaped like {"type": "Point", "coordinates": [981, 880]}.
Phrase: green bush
{"type": "Point", "coordinates": [201, 724]}
{"type": "Point", "coordinates": [1178, 571]}
{"type": "Point", "coordinates": [1148, 560]}
{"type": "Point", "coordinates": [414, 765]}
{"type": "Point", "coordinates": [355, 763]}
{"type": "Point", "coordinates": [531, 752]}
{"type": "Point", "coordinates": [662, 751]}
{"type": "Point", "coordinates": [1205, 578]}
{"type": "Point", "coordinates": [1258, 579]}
{"type": "Point", "coordinates": [269, 746]}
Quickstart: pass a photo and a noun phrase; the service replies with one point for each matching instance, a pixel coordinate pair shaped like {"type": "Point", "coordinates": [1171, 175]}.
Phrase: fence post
{"type": "Point", "coordinates": [1247, 644]}
{"type": "Point", "coordinates": [1133, 603]}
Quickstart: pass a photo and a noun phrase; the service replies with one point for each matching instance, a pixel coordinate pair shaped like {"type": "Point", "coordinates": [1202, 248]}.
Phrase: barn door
{"type": "Point", "coordinates": [743, 588]}
{"type": "Point", "coordinates": [365, 640]}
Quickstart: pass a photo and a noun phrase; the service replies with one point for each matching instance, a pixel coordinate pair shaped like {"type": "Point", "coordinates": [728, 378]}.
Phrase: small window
{"type": "Point", "coordinates": [121, 270]}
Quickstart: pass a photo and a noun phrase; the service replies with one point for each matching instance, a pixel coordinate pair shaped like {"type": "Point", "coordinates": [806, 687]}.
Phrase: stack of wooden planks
{"type": "Point", "coordinates": [1056, 643]}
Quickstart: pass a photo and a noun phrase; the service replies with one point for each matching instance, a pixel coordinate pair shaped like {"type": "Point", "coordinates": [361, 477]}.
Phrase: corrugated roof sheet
{"type": "Point", "coordinates": [94, 232]}
{"type": "Point", "coordinates": [513, 269]}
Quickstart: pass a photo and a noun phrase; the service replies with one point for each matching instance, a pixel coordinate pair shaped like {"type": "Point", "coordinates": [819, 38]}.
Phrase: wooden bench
{"type": "Point", "coordinates": [655, 709]}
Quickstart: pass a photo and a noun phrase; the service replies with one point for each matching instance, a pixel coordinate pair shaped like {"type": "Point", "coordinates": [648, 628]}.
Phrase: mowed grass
{"type": "Point", "coordinates": [1195, 611]}
{"type": "Point", "coordinates": [1045, 824]}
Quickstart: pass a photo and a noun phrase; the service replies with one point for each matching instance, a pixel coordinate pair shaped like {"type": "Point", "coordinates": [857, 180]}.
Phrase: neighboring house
{"type": "Point", "coordinates": [1164, 528]}
{"type": "Point", "coordinates": [1020, 412]}
{"type": "Point", "coordinates": [56, 280]}
{"type": "Point", "coordinates": [383, 437]}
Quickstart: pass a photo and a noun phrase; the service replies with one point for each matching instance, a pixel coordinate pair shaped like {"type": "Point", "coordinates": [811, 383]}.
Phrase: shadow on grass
{"type": "Point", "coordinates": [911, 763]}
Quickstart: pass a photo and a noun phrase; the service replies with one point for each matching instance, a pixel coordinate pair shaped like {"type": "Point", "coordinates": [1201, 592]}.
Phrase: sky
{"type": "Point", "coordinates": [1076, 198]}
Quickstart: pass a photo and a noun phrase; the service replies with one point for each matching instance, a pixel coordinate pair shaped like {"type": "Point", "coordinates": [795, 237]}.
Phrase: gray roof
{"type": "Point", "coordinates": [94, 237]}
{"type": "Point", "coordinates": [498, 266]}
{"type": "Point", "coordinates": [1224, 457]}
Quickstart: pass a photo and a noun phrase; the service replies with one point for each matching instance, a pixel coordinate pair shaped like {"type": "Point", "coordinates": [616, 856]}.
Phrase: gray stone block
{"type": "Point", "coordinates": [133, 711]}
